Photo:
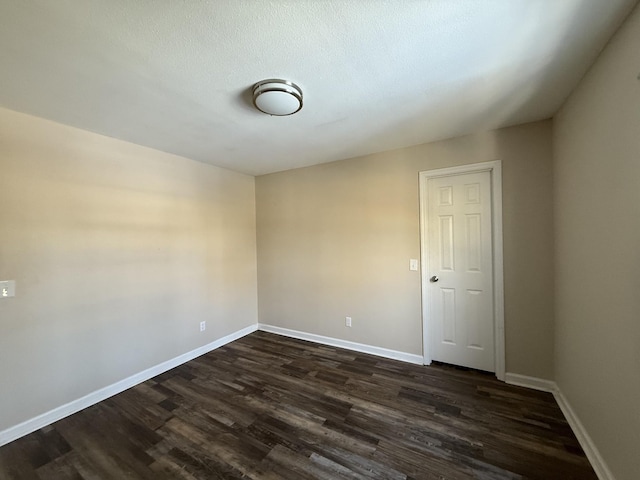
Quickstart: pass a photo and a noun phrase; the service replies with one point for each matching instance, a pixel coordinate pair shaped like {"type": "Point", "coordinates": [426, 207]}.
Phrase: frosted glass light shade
{"type": "Point", "coordinates": [277, 97]}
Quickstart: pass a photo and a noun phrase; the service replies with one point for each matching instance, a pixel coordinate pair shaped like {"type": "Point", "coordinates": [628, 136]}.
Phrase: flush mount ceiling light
{"type": "Point", "coordinates": [277, 97]}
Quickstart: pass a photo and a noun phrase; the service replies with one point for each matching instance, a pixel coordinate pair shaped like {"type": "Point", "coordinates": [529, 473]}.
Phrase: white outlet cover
{"type": "Point", "coordinates": [7, 288]}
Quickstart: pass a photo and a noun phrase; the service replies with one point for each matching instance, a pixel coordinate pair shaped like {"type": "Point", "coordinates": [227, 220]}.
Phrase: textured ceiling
{"type": "Point", "coordinates": [175, 74]}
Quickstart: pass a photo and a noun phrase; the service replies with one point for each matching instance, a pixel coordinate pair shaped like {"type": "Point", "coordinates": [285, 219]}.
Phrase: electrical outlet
{"type": "Point", "coordinates": [347, 321]}
{"type": "Point", "coordinates": [7, 289]}
{"type": "Point", "coordinates": [203, 326]}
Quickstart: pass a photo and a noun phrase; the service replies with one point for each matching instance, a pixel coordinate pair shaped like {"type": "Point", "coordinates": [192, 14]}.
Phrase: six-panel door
{"type": "Point", "coordinates": [460, 297]}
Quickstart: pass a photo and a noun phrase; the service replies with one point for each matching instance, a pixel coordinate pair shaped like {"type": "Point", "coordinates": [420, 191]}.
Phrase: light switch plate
{"type": "Point", "coordinates": [7, 288]}
{"type": "Point", "coordinates": [413, 264]}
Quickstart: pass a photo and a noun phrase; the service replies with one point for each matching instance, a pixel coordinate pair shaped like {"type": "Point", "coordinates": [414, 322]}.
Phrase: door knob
{"type": "Point", "coordinates": [434, 279]}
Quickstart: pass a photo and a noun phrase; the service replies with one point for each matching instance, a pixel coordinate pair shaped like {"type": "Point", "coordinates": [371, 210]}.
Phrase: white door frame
{"type": "Point", "coordinates": [495, 170]}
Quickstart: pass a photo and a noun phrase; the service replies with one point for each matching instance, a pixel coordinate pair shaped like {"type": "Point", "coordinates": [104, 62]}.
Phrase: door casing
{"type": "Point", "coordinates": [495, 170]}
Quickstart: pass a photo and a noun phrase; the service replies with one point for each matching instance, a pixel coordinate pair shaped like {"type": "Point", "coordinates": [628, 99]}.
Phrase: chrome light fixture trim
{"type": "Point", "coordinates": [277, 97]}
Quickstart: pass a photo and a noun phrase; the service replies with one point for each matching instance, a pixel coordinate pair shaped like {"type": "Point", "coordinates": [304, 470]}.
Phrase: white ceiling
{"type": "Point", "coordinates": [175, 74]}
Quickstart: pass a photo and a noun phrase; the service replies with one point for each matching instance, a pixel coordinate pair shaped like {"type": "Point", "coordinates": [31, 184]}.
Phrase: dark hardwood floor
{"type": "Point", "coordinates": [270, 407]}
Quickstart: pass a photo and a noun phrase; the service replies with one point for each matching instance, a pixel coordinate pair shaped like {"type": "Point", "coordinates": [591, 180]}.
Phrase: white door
{"type": "Point", "coordinates": [459, 280]}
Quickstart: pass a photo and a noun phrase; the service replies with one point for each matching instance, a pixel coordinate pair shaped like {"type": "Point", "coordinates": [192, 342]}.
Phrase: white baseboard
{"type": "Point", "coordinates": [47, 418]}
{"type": "Point", "coordinates": [590, 449]}
{"type": "Point", "coordinates": [530, 382]}
{"type": "Point", "coordinates": [336, 342]}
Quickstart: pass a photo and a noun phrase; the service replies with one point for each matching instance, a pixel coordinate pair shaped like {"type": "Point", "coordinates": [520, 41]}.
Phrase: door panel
{"type": "Point", "coordinates": [445, 237]}
{"type": "Point", "coordinates": [460, 302]}
{"type": "Point", "coordinates": [448, 315]}
{"type": "Point", "coordinates": [473, 249]}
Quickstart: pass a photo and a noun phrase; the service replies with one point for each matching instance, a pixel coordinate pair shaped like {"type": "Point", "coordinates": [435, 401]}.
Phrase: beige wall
{"type": "Point", "coordinates": [119, 252]}
{"type": "Point", "coordinates": [597, 205]}
{"type": "Point", "coordinates": [335, 240]}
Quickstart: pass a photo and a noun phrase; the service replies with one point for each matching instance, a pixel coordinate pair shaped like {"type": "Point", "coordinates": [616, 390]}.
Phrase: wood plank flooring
{"type": "Point", "coordinates": [270, 407]}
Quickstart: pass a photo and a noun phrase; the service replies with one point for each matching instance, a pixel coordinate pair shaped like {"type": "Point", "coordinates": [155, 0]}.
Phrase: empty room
{"type": "Point", "coordinates": [320, 239]}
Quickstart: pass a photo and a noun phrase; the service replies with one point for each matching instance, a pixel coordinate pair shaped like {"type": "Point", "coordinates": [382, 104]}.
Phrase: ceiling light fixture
{"type": "Point", "coordinates": [277, 97]}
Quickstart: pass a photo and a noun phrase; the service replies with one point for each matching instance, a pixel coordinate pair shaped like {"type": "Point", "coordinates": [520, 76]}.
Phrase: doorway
{"type": "Point", "coordinates": [462, 275]}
